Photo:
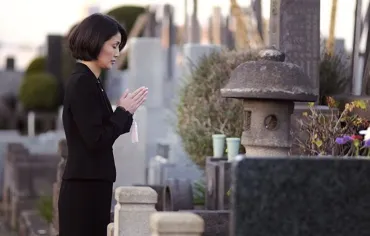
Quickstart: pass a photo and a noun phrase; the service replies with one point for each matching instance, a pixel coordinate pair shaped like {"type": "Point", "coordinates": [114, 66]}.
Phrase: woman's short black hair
{"type": "Point", "coordinates": [88, 37]}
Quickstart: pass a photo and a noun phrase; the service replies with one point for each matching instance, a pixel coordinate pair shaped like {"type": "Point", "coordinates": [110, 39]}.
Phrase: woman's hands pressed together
{"type": "Point", "coordinates": [132, 101]}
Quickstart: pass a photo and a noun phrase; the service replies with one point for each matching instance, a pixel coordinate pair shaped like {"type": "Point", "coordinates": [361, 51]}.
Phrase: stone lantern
{"type": "Point", "coordinates": [269, 87]}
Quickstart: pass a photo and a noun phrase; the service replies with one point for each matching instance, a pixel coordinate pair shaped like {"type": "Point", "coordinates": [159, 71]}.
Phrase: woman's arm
{"type": "Point", "coordinates": [88, 115]}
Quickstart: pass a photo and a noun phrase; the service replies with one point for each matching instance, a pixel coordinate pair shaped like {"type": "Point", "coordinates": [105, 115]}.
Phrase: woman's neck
{"type": "Point", "coordinates": [96, 70]}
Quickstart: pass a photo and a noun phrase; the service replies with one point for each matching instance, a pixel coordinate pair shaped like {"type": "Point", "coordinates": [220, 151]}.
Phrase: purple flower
{"type": "Point", "coordinates": [343, 140]}
{"type": "Point", "coordinates": [367, 143]}
{"type": "Point", "coordinates": [347, 138]}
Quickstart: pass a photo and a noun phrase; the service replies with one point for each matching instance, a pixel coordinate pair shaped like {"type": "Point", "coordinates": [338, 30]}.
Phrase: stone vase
{"type": "Point", "coordinates": [218, 142]}
{"type": "Point", "coordinates": [233, 145]}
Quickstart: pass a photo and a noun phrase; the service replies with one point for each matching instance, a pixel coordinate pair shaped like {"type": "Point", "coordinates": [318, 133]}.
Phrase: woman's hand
{"type": "Point", "coordinates": [131, 101]}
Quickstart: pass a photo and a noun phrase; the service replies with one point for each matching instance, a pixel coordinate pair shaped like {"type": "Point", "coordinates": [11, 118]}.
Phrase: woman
{"type": "Point", "coordinates": [91, 127]}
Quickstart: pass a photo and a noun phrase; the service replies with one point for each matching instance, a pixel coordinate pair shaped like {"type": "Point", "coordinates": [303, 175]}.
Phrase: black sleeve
{"type": "Point", "coordinates": [128, 122]}
{"type": "Point", "coordinates": [87, 113]}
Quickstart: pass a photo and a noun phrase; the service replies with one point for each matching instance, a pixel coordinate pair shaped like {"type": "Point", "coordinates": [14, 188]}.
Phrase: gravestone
{"type": "Point", "coordinates": [321, 196]}
{"type": "Point", "coordinates": [228, 34]}
{"type": "Point", "coordinates": [125, 152]}
{"type": "Point", "coordinates": [216, 26]}
{"type": "Point", "coordinates": [168, 39]}
{"type": "Point", "coordinates": [193, 29]}
{"type": "Point", "coordinates": [295, 30]}
{"type": "Point", "coordinates": [10, 64]}
{"type": "Point", "coordinates": [218, 182]}
{"type": "Point", "coordinates": [115, 84]}
{"type": "Point", "coordinates": [150, 28]}
{"type": "Point", "coordinates": [54, 62]}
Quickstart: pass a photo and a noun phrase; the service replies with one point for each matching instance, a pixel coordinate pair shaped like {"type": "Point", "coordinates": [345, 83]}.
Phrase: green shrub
{"type": "Point", "coordinates": [334, 133]}
{"type": "Point", "coordinates": [202, 111]}
{"type": "Point", "coordinates": [38, 91]}
{"type": "Point", "coordinates": [37, 65]}
{"type": "Point", "coordinates": [45, 208]}
{"type": "Point", "coordinates": [335, 76]}
{"type": "Point", "coordinates": [126, 15]}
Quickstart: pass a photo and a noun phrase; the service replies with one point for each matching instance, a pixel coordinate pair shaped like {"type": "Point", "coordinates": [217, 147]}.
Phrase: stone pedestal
{"type": "Point", "coordinates": [110, 229]}
{"type": "Point", "coordinates": [133, 209]}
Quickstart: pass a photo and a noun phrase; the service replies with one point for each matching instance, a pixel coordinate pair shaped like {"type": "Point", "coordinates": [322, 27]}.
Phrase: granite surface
{"type": "Point", "coordinates": [216, 223]}
{"type": "Point", "coordinates": [301, 197]}
{"type": "Point", "coordinates": [218, 181]}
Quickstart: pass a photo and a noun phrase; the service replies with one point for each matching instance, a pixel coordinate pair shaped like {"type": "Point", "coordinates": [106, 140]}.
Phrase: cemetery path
{"type": "Point", "coordinates": [3, 229]}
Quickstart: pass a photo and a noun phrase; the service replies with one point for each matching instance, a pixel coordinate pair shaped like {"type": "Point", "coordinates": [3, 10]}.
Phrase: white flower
{"type": "Point", "coordinates": [366, 133]}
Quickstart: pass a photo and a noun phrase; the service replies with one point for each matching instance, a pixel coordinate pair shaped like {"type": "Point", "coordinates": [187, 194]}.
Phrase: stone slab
{"type": "Point", "coordinates": [301, 196]}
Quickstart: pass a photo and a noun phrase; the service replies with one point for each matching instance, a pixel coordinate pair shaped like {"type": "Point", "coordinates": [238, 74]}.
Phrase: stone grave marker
{"type": "Point", "coordinates": [295, 30]}
{"type": "Point", "coordinates": [218, 183]}
{"type": "Point", "coordinates": [168, 39]}
{"type": "Point", "coordinates": [54, 62]}
{"type": "Point", "coordinates": [321, 196]}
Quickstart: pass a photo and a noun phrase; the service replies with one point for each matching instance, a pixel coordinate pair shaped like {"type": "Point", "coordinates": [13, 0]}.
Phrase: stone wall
{"type": "Point", "coordinates": [27, 177]}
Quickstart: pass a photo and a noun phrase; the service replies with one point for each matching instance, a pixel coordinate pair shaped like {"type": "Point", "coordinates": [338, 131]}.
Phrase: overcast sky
{"type": "Point", "coordinates": [29, 21]}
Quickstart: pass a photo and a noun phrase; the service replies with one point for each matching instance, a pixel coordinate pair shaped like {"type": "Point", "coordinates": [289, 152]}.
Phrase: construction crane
{"type": "Point", "coordinates": [330, 44]}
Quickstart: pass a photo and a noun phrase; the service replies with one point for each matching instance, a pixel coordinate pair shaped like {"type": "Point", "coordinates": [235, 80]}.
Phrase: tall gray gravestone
{"type": "Point", "coordinates": [194, 26]}
{"type": "Point", "coordinates": [295, 30]}
{"type": "Point", "coordinates": [168, 38]}
{"type": "Point", "coordinates": [54, 62]}
{"type": "Point", "coordinates": [150, 28]}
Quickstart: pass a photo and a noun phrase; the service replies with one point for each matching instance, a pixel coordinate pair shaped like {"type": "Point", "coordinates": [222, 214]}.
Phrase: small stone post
{"type": "Point", "coordinates": [176, 224]}
{"type": "Point", "coordinates": [133, 209]}
{"type": "Point", "coordinates": [110, 229]}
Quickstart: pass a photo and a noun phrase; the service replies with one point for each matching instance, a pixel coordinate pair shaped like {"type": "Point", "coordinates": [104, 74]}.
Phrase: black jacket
{"type": "Point", "coordinates": [91, 127]}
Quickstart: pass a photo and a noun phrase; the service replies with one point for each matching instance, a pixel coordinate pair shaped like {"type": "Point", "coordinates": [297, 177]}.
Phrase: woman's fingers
{"type": "Point", "coordinates": [140, 100]}
{"type": "Point", "coordinates": [138, 91]}
{"type": "Point", "coordinates": [140, 94]}
{"type": "Point", "coordinates": [124, 95]}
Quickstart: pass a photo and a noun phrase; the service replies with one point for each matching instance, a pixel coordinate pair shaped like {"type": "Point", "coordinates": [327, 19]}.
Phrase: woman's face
{"type": "Point", "coordinates": [109, 52]}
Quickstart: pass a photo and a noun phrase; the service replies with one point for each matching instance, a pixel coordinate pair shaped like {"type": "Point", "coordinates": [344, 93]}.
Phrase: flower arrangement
{"type": "Point", "coordinates": [336, 133]}
{"type": "Point", "coordinates": [355, 145]}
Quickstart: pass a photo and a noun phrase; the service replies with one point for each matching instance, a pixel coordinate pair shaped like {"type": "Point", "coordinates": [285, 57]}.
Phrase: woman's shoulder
{"type": "Point", "coordinates": [81, 80]}
{"type": "Point", "coordinates": [80, 85]}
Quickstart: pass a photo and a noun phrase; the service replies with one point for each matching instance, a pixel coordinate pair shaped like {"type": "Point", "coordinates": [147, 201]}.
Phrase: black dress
{"type": "Point", "coordinates": [91, 127]}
